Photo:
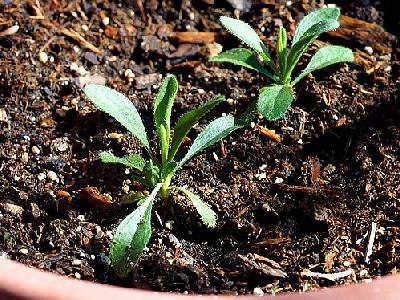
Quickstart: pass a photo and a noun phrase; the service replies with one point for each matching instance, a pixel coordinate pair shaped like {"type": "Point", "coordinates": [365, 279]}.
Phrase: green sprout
{"type": "Point", "coordinates": [134, 232]}
{"type": "Point", "coordinates": [275, 99]}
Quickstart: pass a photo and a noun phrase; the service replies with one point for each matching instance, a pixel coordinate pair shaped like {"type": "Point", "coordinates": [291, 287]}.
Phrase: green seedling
{"type": "Point", "coordinates": [275, 99]}
{"type": "Point", "coordinates": [156, 173]}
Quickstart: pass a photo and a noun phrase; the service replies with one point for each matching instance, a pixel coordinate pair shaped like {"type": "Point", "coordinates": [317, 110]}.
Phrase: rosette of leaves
{"type": "Point", "coordinates": [156, 173]}
{"type": "Point", "coordinates": [275, 99]}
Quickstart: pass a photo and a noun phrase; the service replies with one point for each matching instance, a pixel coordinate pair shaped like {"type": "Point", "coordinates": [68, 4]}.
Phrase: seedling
{"type": "Point", "coordinates": [156, 173]}
{"type": "Point", "coordinates": [275, 99]}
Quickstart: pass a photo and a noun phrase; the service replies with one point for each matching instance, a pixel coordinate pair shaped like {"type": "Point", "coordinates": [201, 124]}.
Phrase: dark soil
{"type": "Point", "coordinates": [307, 203]}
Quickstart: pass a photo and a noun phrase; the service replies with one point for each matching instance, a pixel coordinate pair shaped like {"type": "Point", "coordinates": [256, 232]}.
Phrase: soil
{"type": "Point", "coordinates": [295, 212]}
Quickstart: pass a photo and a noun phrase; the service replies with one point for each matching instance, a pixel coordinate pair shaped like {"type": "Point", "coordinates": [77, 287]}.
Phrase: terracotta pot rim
{"type": "Point", "coordinates": [19, 282]}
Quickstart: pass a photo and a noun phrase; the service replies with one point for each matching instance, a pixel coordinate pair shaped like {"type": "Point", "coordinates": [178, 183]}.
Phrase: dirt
{"type": "Point", "coordinates": [292, 206]}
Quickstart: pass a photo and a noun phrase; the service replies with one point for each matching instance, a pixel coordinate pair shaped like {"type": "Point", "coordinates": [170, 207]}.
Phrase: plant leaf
{"type": "Point", "coordinates": [134, 196]}
{"type": "Point", "coordinates": [134, 161]}
{"type": "Point", "coordinates": [212, 133]}
{"type": "Point", "coordinates": [187, 121]}
{"type": "Point", "coordinates": [301, 46]}
{"type": "Point", "coordinates": [162, 111]}
{"type": "Point", "coordinates": [274, 101]}
{"type": "Point", "coordinates": [207, 215]}
{"type": "Point", "coordinates": [120, 108]}
{"type": "Point", "coordinates": [281, 49]}
{"type": "Point", "coordinates": [313, 18]}
{"type": "Point", "coordinates": [151, 173]}
{"type": "Point", "coordinates": [246, 34]}
{"type": "Point", "coordinates": [324, 57]}
{"type": "Point", "coordinates": [245, 58]}
{"type": "Point", "coordinates": [131, 236]}
{"type": "Point", "coordinates": [169, 170]}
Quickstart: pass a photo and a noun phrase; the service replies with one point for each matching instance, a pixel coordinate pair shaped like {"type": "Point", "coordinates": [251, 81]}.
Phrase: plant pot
{"type": "Point", "coordinates": [18, 282]}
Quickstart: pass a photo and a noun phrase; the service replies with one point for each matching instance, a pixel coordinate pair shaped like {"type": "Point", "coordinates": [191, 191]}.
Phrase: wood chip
{"type": "Point", "coordinates": [77, 37]}
{"type": "Point", "coordinates": [371, 241]}
{"type": "Point", "coordinates": [82, 81]}
{"type": "Point", "coordinates": [263, 264]}
{"type": "Point", "coordinates": [269, 134]}
{"type": "Point", "coordinates": [364, 33]}
{"type": "Point", "coordinates": [328, 276]}
{"type": "Point", "coordinates": [10, 31]}
{"type": "Point", "coordinates": [94, 199]}
{"type": "Point", "coordinates": [3, 115]}
{"type": "Point", "coordinates": [305, 189]}
{"type": "Point", "coordinates": [269, 242]}
{"type": "Point", "coordinates": [195, 37]}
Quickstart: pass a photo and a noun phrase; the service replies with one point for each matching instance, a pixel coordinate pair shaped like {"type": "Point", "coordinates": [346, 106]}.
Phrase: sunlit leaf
{"type": "Point", "coordinates": [131, 160]}
{"type": "Point", "coordinates": [243, 57]}
{"type": "Point", "coordinates": [120, 108]}
{"type": "Point", "coordinates": [131, 236]}
{"type": "Point", "coordinates": [325, 57]}
{"type": "Point", "coordinates": [207, 215]}
{"type": "Point", "coordinates": [274, 101]}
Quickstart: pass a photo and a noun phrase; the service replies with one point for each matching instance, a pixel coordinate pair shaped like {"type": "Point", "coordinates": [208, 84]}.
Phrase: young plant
{"type": "Point", "coordinates": [134, 232]}
{"type": "Point", "coordinates": [275, 99]}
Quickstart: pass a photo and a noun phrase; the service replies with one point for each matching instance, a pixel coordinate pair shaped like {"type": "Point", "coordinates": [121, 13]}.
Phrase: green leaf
{"type": "Point", "coordinates": [131, 236]}
{"type": "Point", "coordinates": [151, 173]}
{"type": "Point", "coordinates": [120, 108]}
{"type": "Point", "coordinates": [186, 123]}
{"type": "Point", "coordinates": [313, 18]}
{"type": "Point", "coordinates": [245, 58]}
{"type": "Point", "coordinates": [207, 215]}
{"type": "Point", "coordinates": [274, 101]}
{"type": "Point", "coordinates": [169, 170]}
{"type": "Point", "coordinates": [162, 112]}
{"type": "Point", "coordinates": [134, 161]}
{"type": "Point", "coordinates": [134, 196]}
{"type": "Point", "coordinates": [324, 57]}
{"type": "Point", "coordinates": [301, 46]}
{"type": "Point", "coordinates": [212, 133]}
{"type": "Point", "coordinates": [281, 49]}
{"type": "Point", "coordinates": [246, 34]}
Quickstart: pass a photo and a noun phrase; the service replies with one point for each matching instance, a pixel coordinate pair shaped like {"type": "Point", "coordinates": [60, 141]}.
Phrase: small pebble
{"type": "Point", "coordinates": [12, 209]}
{"type": "Point", "coordinates": [388, 69]}
{"type": "Point", "coordinates": [129, 74]}
{"type": "Point", "coordinates": [76, 262]}
{"type": "Point", "coordinates": [230, 101]}
{"type": "Point", "coordinates": [25, 157]}
{"type": "Point", "coordinates": [52, 175]}
{"type": "Point", "coordinates": [85, 27]}
{"type": "Point", "coordinates": [43, 57]}
{"type": "Point", "coordinates": [168, 225]}
{"type": "Point", "coordinates": [261, 176]}
{"type": "Point", "coordinates": [23, 251]}
{"type": "Point", "coordinates": [191, 15]}
{"type": "Point", "coordinates": [41, 176]}
{"type": "Point", "coordinates": [278, 180]}
{"type": "Point", "coordinates": [82, 71]}
{"type": "Point", "coordinates": [106, 21]}
{"type": "Point", "coordinates": [35, 150]}
{"type": "Point", "coordinates": [215, 156]}
{"type": "Point", "coordinates": [125, 188]}
{"type": "Point", "coordinates": [369, 50]}
{"type": "Point", "coordinates": [77, 275]}
{"type": "Point", "coordinates": [74, 67]}
{"type": "Point", "coordinates": [99, 233]}
{"type": "Point", "coordinates": [258, 292]}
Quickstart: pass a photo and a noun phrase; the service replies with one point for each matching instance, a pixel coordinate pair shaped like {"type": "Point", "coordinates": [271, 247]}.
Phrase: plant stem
{"type": "Point", "coordinates": [165, 189]}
